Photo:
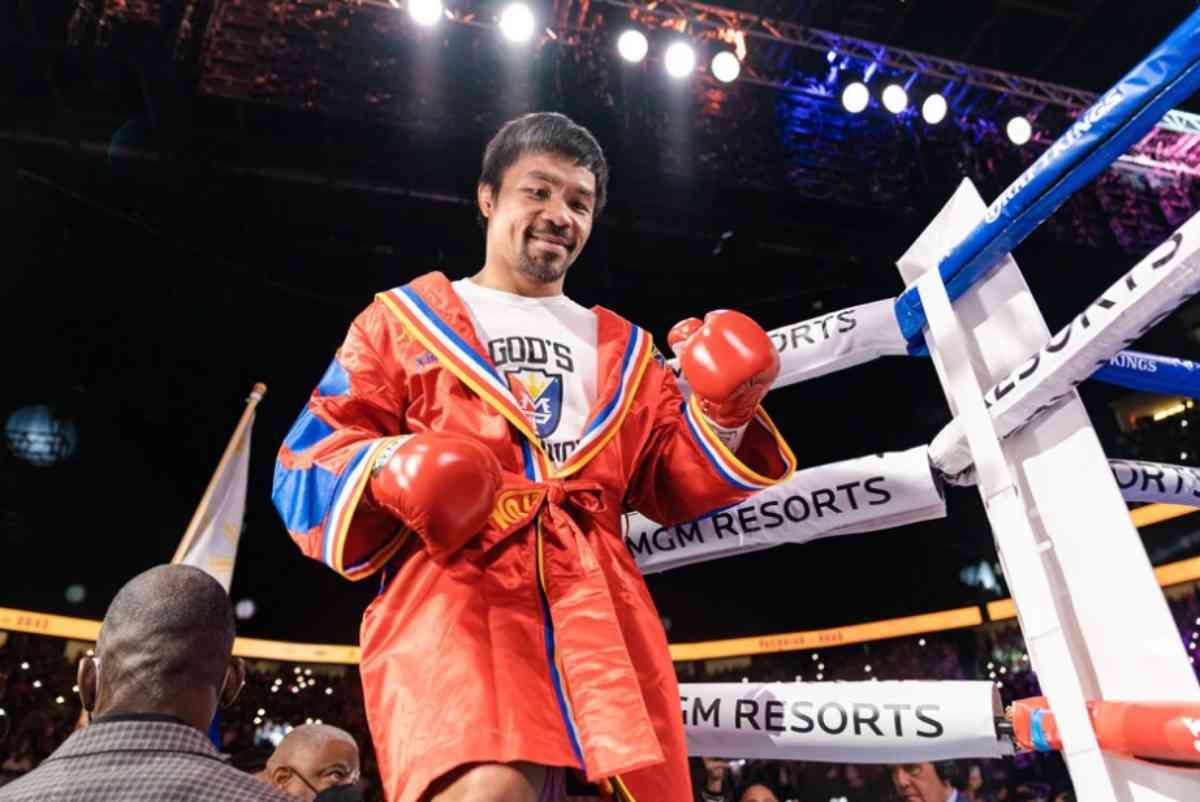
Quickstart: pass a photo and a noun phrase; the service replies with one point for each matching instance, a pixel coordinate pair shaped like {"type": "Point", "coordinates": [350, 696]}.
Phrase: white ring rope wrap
{"type": "Point", "coordinates": [832, 342]}
{"type": "Point", "coordinates": [882, 491]}
{"type": "Point", "coordinates": [843, 722]}
{"type": "Point", "coordinates": [1165, 278]}
{"type": "Point", "coordinates": [1156, 482]}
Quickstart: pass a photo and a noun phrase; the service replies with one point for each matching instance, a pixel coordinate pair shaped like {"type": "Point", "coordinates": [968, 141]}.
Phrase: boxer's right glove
{"type": "Point", "coordinates": [441, 486]}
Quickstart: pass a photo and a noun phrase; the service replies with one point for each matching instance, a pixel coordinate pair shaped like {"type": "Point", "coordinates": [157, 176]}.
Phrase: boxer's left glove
{"type": "Point", "coordinates": [729, 362]}
{"type": "Point", "coordinates": [441, 486]}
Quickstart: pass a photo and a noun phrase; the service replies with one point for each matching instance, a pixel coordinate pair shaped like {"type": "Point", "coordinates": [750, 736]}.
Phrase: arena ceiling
{"type": "Point", "coordinates": [204, 193]}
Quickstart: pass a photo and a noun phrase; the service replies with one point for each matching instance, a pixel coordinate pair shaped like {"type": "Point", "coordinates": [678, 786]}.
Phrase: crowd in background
{"type": "Point", "coordinates": [39, 708]}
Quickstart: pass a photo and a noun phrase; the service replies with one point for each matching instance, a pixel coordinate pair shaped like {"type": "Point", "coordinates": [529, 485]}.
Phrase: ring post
{"type": "Point", "coordinates": [1096, 623]}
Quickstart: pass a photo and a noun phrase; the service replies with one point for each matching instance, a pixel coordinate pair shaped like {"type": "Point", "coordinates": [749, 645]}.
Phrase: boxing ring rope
{"type": "Point", "coordinates": [867, 494]}
{"type": "Point", "coordinates": [809, 349]}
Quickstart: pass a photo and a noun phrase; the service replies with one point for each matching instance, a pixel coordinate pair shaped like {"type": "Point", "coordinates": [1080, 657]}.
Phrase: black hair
{"type": "Point", "coordinates": [951, 771]}
{"type": "Point", "coordinates": [544, 132]}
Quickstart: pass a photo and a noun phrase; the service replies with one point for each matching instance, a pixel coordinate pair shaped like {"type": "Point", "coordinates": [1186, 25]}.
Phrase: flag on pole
{"type": "Point", "coordinates": [211, 540]}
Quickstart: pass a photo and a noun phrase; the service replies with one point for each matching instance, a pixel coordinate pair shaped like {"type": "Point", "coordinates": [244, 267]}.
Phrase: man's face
{"type": "Point", "coordinates": [332, 761]}
{"type": "Point", "coordinates": [540, 216]}
{"type": "Point", "coordinates": [918, 782]}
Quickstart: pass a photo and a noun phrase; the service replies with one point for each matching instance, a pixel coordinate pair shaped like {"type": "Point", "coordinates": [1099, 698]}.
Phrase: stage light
{"type": "Point", "coordinates": [517, 23]}
{"type": "Point", "coordinates": [680, 60]}
{"type": "Point", "coordinates": [831, 56]}
{"type": "Point", "coordinates": [425, 12]}
{"type": "Point", "coordinates": [855, 97]}
{"type": "Point", "coordinates": [1019, 130]}
{"type": "Point", "coordinates": [895, 99]}
{"type": "Point", "coordinates": [632, 46]}
{"type": "Point", "coordinates": [726, 67]}
{"type": "Point", "coordinates": [245, 609]}
{"type": "Point", "coordinates": [38, 435]}
{"type": "Point", "coordinates": [934, 109]}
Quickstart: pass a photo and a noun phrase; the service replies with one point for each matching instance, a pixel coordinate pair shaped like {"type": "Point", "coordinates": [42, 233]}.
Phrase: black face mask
{"type": "Point", "coordinates": [340, 793]}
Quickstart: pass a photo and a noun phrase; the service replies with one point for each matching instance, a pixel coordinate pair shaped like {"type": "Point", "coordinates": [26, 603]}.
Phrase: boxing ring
{"type": "Point", "coordinates": [1127, 724]}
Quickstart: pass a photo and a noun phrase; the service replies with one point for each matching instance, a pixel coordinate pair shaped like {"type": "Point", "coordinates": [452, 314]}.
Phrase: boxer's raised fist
{"type": "Point", "coordinates": [441, 486]}
{"type": "Point", "coordinates": [728, 361]}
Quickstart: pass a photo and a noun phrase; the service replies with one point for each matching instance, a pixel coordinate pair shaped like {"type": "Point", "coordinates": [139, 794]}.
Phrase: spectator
{"type": "Point", "coordinates": [973, 786]}
{"type": "Point", "coordinates": [163, 664]}
{"type": "Point", "coordinates": [925, 782]}
{"type": "Point", "coordinates": [311, 758]}
{"type": "Point", "coordinates": [712, 780]}
{"type": "Point", "coordinates": [757, 792]}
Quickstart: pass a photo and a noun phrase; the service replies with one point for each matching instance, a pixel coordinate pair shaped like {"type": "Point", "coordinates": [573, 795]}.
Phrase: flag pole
{"type": "Point", "coordinates": [256, 395]}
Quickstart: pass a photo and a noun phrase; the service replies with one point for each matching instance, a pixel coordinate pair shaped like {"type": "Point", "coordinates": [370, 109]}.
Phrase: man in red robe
{"type": "Point", "coordinates": [477, 442]}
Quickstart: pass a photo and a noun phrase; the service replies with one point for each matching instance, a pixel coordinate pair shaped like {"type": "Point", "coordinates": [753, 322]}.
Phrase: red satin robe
{"type": "Point", "coordinates": [539, 640]}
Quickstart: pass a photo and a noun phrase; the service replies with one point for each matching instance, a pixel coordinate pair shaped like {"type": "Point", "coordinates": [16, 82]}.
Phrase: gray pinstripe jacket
{"type": "Point", "coordinates": [136, 760]}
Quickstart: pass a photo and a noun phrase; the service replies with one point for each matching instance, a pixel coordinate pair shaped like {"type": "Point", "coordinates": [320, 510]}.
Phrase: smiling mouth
{"type": "Point", "coordinates": [551, 240]}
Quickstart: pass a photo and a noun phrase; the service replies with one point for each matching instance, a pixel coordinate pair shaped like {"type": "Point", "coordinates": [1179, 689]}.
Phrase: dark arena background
{"type": "Point", "coordinates": [201, 194]}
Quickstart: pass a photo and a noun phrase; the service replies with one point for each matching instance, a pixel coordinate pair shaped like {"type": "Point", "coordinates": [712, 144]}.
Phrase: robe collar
{"type": "Point", "coordinates": [437, 318]}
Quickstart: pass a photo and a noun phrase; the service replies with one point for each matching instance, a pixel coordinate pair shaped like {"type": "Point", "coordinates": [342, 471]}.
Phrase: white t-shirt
{"type": "Point", "coordinates": [546, 349]}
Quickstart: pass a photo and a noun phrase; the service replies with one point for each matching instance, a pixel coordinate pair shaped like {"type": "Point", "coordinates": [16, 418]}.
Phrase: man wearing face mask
{"type": "Point", "coordinates": [477, 442]}
{"type": "Point", "coordinates": [163, 666]}
{"type": "Point", "coordinates": [315, 761]}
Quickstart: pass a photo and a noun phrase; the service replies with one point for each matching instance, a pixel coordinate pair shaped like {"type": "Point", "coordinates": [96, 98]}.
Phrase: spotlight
{"type": "Point", "coordinates": [516, 23]}
{"type": "Point", "coordinates": [425, 12]}
{"type": "Point", "coordinates": [855, 97]}
{"type": "Point", "coordinates": [726, 67]}
{"type": "Point", "coordinates": [680, 60]}
{"type": "Point", "coordinates": [895, 99]}
{"type": "Point", "coordinates": [934, 109]}
{"type": "Point", "coordinates": [632, 45]}
{"type": "Point", "coordinates": [1019, 130]}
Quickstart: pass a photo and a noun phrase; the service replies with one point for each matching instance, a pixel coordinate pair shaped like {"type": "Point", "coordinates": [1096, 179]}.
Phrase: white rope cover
{"type": "Point", "coordinates": [1165, 278]}
{"type": "Point", "coordinates": [843, 722]}
{"type": "Point", "coordinates": [881, 491]}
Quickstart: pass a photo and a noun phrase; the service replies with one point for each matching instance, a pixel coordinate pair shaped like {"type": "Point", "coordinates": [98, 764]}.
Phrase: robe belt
{"type": "Point", "coordinates": [557, 522]}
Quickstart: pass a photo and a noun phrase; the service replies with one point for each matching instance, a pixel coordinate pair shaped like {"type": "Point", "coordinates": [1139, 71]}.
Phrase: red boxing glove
{"type": "Point", "coordinates": [441, 486]}
{"type": "Point", "coordinates": [729, 362]}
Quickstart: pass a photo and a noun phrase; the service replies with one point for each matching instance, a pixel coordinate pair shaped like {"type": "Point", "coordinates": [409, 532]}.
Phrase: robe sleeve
{"type": "Point", "coordinates": [321, 473]}
{"type": "Point", "coordinates": [684, 471]}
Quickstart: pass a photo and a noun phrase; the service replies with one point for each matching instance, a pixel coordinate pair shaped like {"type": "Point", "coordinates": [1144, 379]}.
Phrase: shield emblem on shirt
{"type": "Point", "coordinates": [540, 396]}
